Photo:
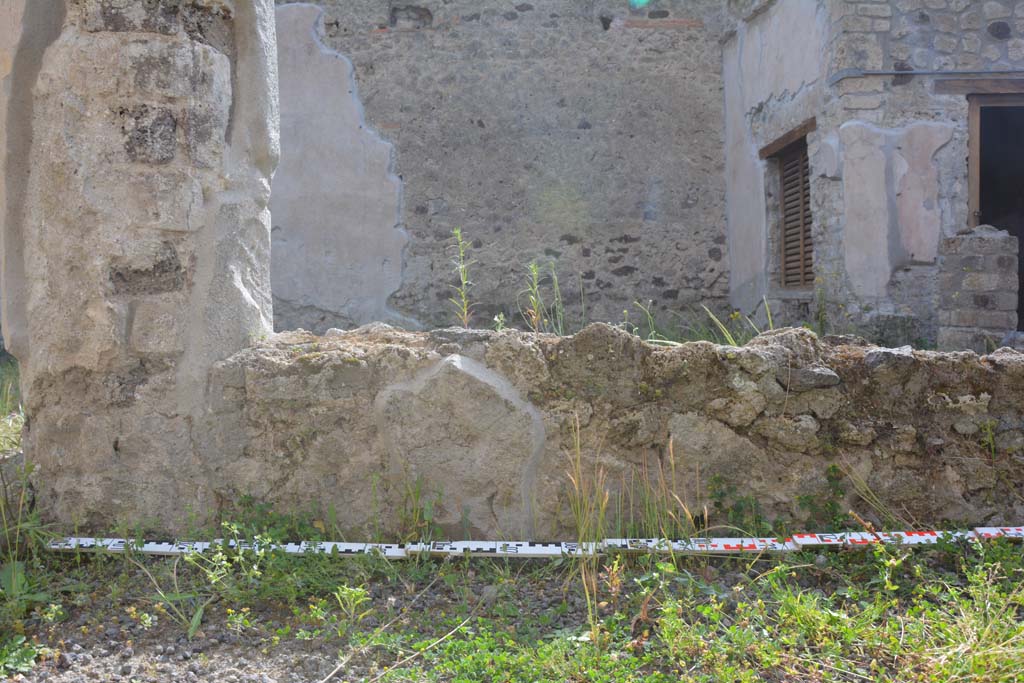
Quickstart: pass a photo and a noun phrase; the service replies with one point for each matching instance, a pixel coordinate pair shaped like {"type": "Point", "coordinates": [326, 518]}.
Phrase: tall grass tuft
{"type": "Point", "coordinates": [11, 416]}
{"type": "Point", "coordinates": [538, 315]}
{"type": "Point", "coordinates": [732, 331]}
{"type": "Point", "coordinates": [649, 505]}
{"type": "Point", "coordinates": [588, 501]}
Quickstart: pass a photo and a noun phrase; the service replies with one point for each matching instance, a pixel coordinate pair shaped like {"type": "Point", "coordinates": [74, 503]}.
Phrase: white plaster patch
{"type": "Point", "coordinates": [916, 180]}
{"type": "Point", "coordinates": [789, 36]}
{"type": "Point", "coordinates": [337, 240]}
{"type": "Point", "coordinates": [865, 239]}
{"type": "Point", "coordinates": [890, 189]}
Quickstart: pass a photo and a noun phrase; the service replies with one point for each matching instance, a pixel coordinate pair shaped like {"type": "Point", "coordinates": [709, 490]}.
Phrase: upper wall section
{"type": "Point", "coordinates": [774, 72]}
{"type": "Point", "coordinates": [887, 155]}
{"type": "Point", "coordinates": [904, 148]}
{"type": "Point", "coordinates": [337, 242]}
{"type": "Point", "coordinates": [584, 134]}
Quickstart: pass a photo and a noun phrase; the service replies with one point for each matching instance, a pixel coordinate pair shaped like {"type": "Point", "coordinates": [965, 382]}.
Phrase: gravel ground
{"type": "Point", "coordinates": [101, 641]}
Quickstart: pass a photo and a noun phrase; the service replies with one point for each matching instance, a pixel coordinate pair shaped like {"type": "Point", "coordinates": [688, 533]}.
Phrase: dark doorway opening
{"type": "Point", "coordinates": [1001, 171]}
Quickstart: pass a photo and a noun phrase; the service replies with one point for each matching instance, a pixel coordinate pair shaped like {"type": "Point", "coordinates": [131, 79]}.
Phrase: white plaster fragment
{"type": "Point", "coordinates": [337, 238]}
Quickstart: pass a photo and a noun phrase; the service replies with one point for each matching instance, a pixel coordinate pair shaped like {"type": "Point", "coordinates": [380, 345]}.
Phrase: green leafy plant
{"type": "Point", "coordinates": [228, 572]}
{"type": "Point", "coordinates": [17, 655]}
{"type": "Point", "coordinates": [737, 512]}
{"type": "Point", "coordinates": [319, 615]}
{"type": "Point", "coordinates": [23, 535]}
{"type": "Point", "coordinates": [461, 301]}
{"type": "Point", "coordinates": [988, 438]}
{"type": "Point", "coordinates": [826, 507]}
{"type": "Point", "coordinates": [186, 608]}
{"type": "Point", "coordinates": [351, 603]}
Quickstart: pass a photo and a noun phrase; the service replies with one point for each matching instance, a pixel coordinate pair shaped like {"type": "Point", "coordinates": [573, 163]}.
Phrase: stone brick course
{"type": "Point", "coordinates": [978, 289]}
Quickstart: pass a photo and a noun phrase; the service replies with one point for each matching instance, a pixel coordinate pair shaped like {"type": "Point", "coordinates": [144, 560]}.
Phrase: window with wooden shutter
{"type": "Point", "coordinates": [796, 263]}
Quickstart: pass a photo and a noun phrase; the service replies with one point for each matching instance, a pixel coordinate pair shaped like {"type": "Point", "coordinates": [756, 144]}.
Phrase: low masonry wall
{"type": "Point", "coordinates": [483, 424]}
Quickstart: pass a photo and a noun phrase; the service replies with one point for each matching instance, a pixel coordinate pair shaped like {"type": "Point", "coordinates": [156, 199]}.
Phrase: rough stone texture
{"type": "Point", "coordinates": [24, 35]}
{"type": "Point", "coordinates": [979, 286]}
{"type": "Point", "coordinates": [888, 178]}
{"type": "Point", "coordinates": [337, 239]}
{"type": "Point", "coordinates": [604, 158]}
{"type": "Point", "coordinates": [430, 425]}
{"type": "Point", "coordinates": [142, 254]}
{"type": "Point", "coordinates": [481, 424]}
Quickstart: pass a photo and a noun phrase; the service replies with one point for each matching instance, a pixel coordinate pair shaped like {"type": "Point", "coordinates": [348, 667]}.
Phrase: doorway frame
{"type": "Point", "coordinates": [975, 103]}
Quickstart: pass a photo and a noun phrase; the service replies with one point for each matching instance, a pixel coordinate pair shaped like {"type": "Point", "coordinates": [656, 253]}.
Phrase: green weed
{"type": "Point", "coordinates": [12, 417]}
{"type": "Point", "coordinates": [538, 315]}
{"type": "Point", "coordinates": [17, 655]}
{"type": "Point", "coordinates": [588, 501]}
{"type": "Point", "coordinates": [21, 587]}
{"type": "Point", "coordinates": [460, 301]}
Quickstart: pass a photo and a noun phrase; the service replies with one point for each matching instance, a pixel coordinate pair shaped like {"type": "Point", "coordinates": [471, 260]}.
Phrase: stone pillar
{"type": "Point", "coordinates": [978, 285]}
{"type": "Point", "coordinates": [26, 29]}
{"type": "Point", "coordinates": [144, 245]}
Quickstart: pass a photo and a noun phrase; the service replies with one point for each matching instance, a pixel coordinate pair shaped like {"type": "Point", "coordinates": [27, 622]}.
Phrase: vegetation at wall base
{"type": "Point", "coordinates": [12, 417]}
{"type": "Point", "coordinates": [951, 612]}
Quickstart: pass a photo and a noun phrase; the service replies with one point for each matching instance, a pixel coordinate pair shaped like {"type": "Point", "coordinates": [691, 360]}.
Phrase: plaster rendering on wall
{"type": "Point", "coordinates": [891, 186]}
{"type": "Point", "coordinates": [336, 203]}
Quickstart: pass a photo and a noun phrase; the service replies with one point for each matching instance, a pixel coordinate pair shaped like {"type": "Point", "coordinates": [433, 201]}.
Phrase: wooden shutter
{"type": "Point", "coordinates": [797, 252]}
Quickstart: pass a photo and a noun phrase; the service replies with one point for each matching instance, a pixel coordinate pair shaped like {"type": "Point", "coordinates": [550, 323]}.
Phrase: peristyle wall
{"type": "Point", "coordinates": [581, 135]}
{"type": "Point", "coordinates": [483, 426]}
{"type": "Point", "coordinates": [137, 267]}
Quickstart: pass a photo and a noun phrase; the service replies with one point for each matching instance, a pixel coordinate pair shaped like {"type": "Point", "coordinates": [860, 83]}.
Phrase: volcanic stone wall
{"type": "Point", "coordinates": [583, 135]}
{"type": "Point", "coordinates": [887, 155]}
{"type": "Point", "coordinates": [484, 425]}
{"type": "Point", "coordinates": [137, 265]}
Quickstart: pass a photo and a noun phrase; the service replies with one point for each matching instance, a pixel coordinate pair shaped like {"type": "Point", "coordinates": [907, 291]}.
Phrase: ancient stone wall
{"type": "Point", "coordinates": [482, 425]}
{"type": "Point", "coordinates": [141, 254]}
{"type": "Point", "coordinates": [137, 266]}
{"type": "Point", "coordinates": [979, 286]}
{"type": "Point", "coordinates": [912, 143]}
{"type": "Point", "coordinates": [889, 176]}
{"type": "Point", "coordinates": [581, 134]}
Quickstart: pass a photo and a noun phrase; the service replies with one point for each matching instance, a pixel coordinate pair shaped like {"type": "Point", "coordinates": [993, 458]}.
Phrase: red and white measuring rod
{"type": "Point", "coordinates": [527, 549]}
